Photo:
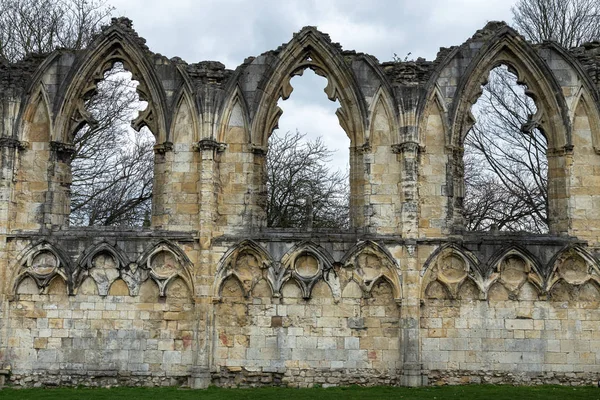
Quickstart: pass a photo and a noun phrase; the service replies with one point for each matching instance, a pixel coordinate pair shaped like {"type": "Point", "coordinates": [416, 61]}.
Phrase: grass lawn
{"type": "Point", "coordinates": [484, 392]}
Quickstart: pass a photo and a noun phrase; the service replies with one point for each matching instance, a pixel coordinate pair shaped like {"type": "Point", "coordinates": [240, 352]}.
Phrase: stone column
{"type": "Point", "coordinates": [209, 150]}
{"type": "Point", "coordinates": [58, 197]}
{"type": "Point", "coordinates": [255, 201]}
{"type": "Point", "coordinates": [163, 164]}
{"type": "Point", "coordinates": [560, 163]}
{"type": "Point", "coordinates": [408, 156]}
{"type": "Point", "coordinates": [9, 148]}
{"type": "Point", "coordinates": [361, 159]}
{"type": "Point", "coordinates": [200, 375]}
{"type": "Point", "coordinates": [455, 188]}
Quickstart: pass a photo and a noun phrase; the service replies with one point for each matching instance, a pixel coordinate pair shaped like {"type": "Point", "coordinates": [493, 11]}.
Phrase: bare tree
{"type": "Point", "coordinates": [506, 183]}
{"type": "Point", "coordinates": [505, 161]}
{"type": "Point", "coordinates": [568, 22]}
{"type": "Point", "coordinates": [39, 26]}
{"type": "Point", "coordinates": [112, 166]}
{"type": "Point", "coordinates": [301, 190]}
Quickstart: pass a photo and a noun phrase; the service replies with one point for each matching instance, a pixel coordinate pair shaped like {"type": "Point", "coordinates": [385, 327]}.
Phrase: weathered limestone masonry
{"type": "Point", "coordinates": [208, 294]}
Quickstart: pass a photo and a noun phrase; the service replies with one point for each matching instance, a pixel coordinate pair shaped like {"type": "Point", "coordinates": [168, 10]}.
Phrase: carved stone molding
{"type": "Point", "coordinates": [259, 150]}
{"type": "Point", "coordinates": [64, 151]}
{"type": "Point", "coordinates": [210, 144]}
{"type": "Point", "coordinates": [560, 151]}
{"type": "Point", "coordinates": [13, 143]}
{"type": "Point", "coordinates": [413, 147]}
{"type": "Point", "coordinates": [365, 148]}
{"type": "Point", "coordinates": [163, 148]}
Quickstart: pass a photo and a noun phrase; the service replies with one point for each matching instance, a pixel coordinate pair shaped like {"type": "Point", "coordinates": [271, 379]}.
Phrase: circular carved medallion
{"type": "Point", "coordinates": [44, 263]}
{"type": "Point", "coordinates": [306, 266]}
{"type": "Point", "coordinates": [452, 269]}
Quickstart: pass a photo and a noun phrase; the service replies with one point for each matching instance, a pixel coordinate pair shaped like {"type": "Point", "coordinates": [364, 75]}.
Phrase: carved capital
{"type": "Point", "coordinates": [64, 151]}
{"type": "Point", "coordinates": [365, 148]}
{"type": "Point", "coordinates": [259, 150]}
{"type": "Point", "coordinates": [456, 151]}
{"type": "Point", "coordinates": [408, 147]}
{"type": "Point", "coordinates": [210, 144]}
{"type": "Point", "coordinates": [560, 151]}
{"type": "Point", "coordinates": [163, 148]}
{"type": "Point", "coordinates": [13, 143]}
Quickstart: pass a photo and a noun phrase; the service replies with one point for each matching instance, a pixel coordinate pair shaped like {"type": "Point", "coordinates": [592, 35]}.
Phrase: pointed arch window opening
{"type": "Point", "coordinates": [308, 160]}
{"type": "Point", "coordinates": [112, 165]}
{"type": "Point", "coordinates": [505, 162]}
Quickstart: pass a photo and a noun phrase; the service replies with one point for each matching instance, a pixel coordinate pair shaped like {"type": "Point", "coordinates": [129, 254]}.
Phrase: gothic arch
{"type": "Point", "coordinates": [38, 99]}
{"type": "Point", "coordinates": [184, 98]}
{"type": "Point", "coordinates": [236, 99]}
{"type": "Point", "coordinates": [385, 94]}
{"type": "Point", "coordinates": [384, 99]}
{"type": "Point", "coordinates": [310, 48]}
{"type": "Point", "coordinates": [451, 266]}
{"type": "Point", "coordinates": [308, 263]}
{"type": "Point", "coordinates": [585, 99]}
{"type": "Point", "coordinates": [519, 251]}
{"type": "Point", "coordinates": [228, 268]}
{"type": "Point", "coordinates": [165, 262]}
{"type": "Point", "coordinates": [552, 116]}
{"type": "Point", "coordinates": [55, 263]}
{"type": "Point", "coordinates": [371, 262]}
{"type": "Point", "coordinates": [514, 279]}
{"type": "Point", "coordinates": [587, 85]}
{"type": "Point", "coordinates": [574, 266]}
{"type": "Point", "coordinates": [116, 43]}
{"type": "Point", "coordinates": [435, 99]}
{"type": "Point", "coordinates": [85, 261]}
{"type": "Point", "coordinates": [32, 158]}
{"type": "Point", "coordinates": [103, 277]}
{"type": "Point", "coordinates": [236, 281]}
{"type": "Point", "coordinates": [34, 89]}
{"type": "Point", "coordinates": [508, 48]}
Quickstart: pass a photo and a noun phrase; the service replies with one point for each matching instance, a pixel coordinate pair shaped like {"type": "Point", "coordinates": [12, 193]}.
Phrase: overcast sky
{"type": "Point", "coordinates": [231, 30]}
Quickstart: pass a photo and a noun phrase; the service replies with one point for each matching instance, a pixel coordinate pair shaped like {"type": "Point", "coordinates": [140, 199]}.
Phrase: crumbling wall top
{"type": "Point", "coordinates": [19, 74]}
{"type": "Point", "coordinates": [208, 72]}
{"type": "Point", "coordinates": [125, 25]}
{"type": "Point", "coordinates": [588, 54]}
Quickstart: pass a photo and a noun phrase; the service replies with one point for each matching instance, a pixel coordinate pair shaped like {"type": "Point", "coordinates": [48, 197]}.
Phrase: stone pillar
{"type": "Point", "coordinates": [408, 156]}
{"type": "Point", "coordinates": [255, 201]}
{"type": "Point", "coordinates": [9, 148]}
{"type": "Point", "coordinates": [360, 189]}
{"type": "Point", "coordinates": [455, 188]}
{"type": "Point", "coordinates": [209, 149]}
{"type": "Point", "coordinates": [410, 318]}
{"type": "Point", "coordinates": [560, 163]}
{"type": "Point", "coordinates": [58, 197]}
{"type": "Point", "coordinates": [163, 164]}
{"type": "Point", "coordinates": [200, 376]}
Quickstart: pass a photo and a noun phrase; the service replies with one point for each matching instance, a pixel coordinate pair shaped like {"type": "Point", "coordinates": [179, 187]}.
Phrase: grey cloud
{"type": "Point", "coordinates": [231, 30]}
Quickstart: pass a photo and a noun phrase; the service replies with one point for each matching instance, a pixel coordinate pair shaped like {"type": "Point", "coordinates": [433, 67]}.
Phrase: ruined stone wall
{"type": "Point", "coordinates": [511, 341]}
{"type": "Point", "coordinates": [521, 322]}
{"type": "Point", "coordinates": [115, 318]}
{"type": "Point", "coordinates": [208, 294]}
